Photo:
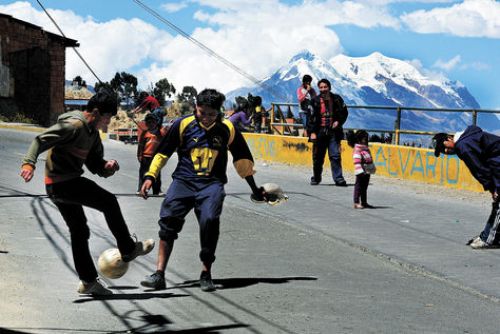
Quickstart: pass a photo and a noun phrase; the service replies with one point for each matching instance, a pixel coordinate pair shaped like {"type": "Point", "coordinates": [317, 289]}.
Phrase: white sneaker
{"type": "Point", "coordinates": [478, 243]}
{"type": "Point", "coordinates": [94, 288]}
{"type": "Point", "coordinates": [141, 248]}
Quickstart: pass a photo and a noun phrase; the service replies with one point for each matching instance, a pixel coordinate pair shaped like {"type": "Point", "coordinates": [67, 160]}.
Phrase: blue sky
{"type": "Point", "coordinates": [457, 39]}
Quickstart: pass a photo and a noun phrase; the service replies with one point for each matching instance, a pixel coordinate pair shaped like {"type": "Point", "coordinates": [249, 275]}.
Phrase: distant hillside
{"type": "Point", "coordinates": [72, 92]}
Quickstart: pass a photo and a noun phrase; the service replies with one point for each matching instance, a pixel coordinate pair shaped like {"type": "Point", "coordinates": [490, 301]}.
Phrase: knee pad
{"type": "Point", "coordinates": [170, 228]}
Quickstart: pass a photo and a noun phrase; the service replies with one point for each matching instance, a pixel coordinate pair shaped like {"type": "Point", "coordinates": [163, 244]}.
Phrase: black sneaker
{"type": "Point", "coordinates": [314, 181]}
{"type": "Point", "coordinates": [155, 281]}
{"type": "Point", "coordinates": [341, 183]}
{"type": "Point", "coordinates": [206, 283]}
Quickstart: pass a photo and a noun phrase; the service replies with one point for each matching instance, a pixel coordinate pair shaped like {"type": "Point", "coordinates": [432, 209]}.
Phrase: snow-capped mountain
{"type": "Point", "coordinates": [376, 80]}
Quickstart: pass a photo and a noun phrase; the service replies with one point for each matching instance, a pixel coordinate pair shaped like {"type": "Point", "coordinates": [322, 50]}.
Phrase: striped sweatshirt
{"type": "Point", "coordinates": [360, 156]}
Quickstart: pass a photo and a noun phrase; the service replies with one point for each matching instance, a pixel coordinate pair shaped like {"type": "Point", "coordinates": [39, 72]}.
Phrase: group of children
{"type": "Point", "coordinates": [151, 136]}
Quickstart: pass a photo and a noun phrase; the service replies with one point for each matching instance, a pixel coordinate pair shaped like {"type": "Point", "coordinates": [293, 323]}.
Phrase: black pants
{"type": "Point", "coordinates": [143, 169]}
{"type": "Point", "coordinates": [70, 197]}
{"type": "Point", "coordinates": [361, 188]}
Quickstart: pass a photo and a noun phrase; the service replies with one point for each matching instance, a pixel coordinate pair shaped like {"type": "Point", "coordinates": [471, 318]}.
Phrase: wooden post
{"type": "Point", "coordinates": [397, 125]}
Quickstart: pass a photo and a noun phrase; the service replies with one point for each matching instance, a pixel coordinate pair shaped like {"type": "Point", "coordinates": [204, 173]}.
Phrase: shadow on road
{"type": "Point", "coordinates": [141, 330]}
{"type": "Point", "coordinates": [128, 296]}
{"type": "Point", "coordinates": [242, 282]}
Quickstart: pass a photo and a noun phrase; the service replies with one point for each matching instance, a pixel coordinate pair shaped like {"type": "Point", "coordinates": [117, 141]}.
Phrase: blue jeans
{"type": "Point", "coordinates": [490, 233]}
{"type": "Point", "coordinates": [320, 146]}
{"type": "Point", "coordinates": [304, 117]}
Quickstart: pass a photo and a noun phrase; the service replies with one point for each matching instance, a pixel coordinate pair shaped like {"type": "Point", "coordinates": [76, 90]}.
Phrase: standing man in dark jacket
{"type": "Point", "coordinates": [326, 132]}
{"type": "Point", "coordinates": [480, 151]}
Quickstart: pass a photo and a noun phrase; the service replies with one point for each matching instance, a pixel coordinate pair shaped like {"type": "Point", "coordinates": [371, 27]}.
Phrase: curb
{"type": "Point", "coordinates": [36, 128]}
{"type": "Point", "coordinates": [23, 127]}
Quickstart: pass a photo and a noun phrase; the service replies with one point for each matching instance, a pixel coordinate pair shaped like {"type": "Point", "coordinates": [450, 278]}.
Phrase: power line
{"type": "Point", "coordinates": [208, 50]}
{"type": "Point", "coordinates": [74, 49]}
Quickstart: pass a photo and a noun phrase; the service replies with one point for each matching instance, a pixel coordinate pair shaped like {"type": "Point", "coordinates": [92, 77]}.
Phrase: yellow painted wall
{"type": "Point", "coordinates": [408, 163]}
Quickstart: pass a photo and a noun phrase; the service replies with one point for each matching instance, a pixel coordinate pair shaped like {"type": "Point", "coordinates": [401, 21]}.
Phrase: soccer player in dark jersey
{"type": "Point", "coordinates": [202, 142]}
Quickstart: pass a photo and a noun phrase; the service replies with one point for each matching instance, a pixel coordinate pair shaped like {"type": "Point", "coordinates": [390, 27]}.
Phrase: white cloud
{"type": "Point", "coordinates": [478, 66]}
{"type": "Point", "coordinates": [471, 18]}
{"type": "Point", "coordinates": [448, 65]}
{"type": "Point", "coordinates": [457, 63]}
{"type": "Point", "coordinates": [257, 36]}
{"type": "Point", "coordinates": [116, 45]}
{"type": "Point", "coordinates": [173, 7]}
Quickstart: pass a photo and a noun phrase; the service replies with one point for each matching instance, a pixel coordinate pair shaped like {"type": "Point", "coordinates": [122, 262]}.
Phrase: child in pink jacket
{"type": "Point", "coordinates": [363, 167]}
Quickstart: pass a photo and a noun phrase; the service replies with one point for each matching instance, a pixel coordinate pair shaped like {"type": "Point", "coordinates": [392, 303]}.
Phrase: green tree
{"type": "Point", "coordinates": [100, 84]}
{"type": "Point", "coordinates": [187, 99]}
{"type": "Point", "coordinates": [162, 89]}
{"type": "Point", "coordinates": [125, 84]}
{"type": "Point", "coordinates": [77, 80]}
{"type": "Point", "coordinates": [188, 94]}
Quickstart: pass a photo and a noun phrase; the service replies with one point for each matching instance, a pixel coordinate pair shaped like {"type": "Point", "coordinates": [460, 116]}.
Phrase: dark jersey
{"type": "Point", "coordinates": [203, 152]}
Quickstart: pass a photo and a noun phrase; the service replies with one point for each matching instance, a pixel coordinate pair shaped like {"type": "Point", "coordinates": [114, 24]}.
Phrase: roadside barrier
{"type": "Point", "coordinates": [402, 162]}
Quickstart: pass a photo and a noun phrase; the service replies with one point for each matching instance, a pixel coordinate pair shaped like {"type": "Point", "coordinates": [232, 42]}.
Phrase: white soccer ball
{"type": "Point", "coordinates": [111, 265]}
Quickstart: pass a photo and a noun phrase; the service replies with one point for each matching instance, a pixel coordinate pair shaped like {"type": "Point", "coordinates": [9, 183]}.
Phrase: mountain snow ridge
{"type": "Point", "coordinates": [375, 80]}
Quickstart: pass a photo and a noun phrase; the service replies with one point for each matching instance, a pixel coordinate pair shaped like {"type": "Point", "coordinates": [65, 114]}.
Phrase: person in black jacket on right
{"type": "Point", "coordinates": [480, 151]}
{"type": "Point", "coordinates": [325, 132]}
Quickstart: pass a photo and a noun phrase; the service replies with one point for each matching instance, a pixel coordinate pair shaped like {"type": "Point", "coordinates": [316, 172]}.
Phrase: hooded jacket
{"type": "Point", "coordinates": [71, 143]}
{"type": "Point", "coordinates": [480, 151]}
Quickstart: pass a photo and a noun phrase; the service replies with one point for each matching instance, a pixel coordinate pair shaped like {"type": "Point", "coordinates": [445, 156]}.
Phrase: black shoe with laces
{"type": "Point", "coordinates": [155, 281]}
{"type": "Point", "coordinates": [206, 283]}
{"type": "Point", "coordinates": [341, 183]}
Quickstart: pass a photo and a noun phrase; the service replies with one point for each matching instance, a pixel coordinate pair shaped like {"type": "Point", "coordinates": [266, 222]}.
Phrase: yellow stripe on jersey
{"type": "Point", "coordinates": [157, 164]}
{"type": "Point", "coordinates": [184, 123]}
{"type": "Point", "coordinates": [244, 167]}
{"type": "Point", "coordinates": [231, 130]}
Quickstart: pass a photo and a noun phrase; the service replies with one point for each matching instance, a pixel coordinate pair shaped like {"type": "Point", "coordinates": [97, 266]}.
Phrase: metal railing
{"type": "Point", "coordinates": [278, 118]}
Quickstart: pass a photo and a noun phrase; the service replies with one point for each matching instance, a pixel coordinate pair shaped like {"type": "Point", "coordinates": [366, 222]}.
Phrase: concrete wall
{"type": "Point", "coordinates": [407, 163]}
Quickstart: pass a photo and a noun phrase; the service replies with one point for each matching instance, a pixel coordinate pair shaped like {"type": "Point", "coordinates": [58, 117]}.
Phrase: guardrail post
{"type": "Point", "coordinates": [397, 126]}
{"type": "Point", "coordinates": [474, 117]}
{"type": "Point", "coordinates": [271, 119]}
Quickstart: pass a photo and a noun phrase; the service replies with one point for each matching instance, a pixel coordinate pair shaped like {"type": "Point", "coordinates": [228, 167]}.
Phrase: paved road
{"type": "Point", "coordinates": [313, 265]}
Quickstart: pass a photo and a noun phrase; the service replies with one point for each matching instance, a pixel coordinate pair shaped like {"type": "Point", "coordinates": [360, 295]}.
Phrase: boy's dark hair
{"type": "Point", "coordinates": [105, 101]}
{"type": "Point", "coordinates": [325, 81]}
{"type": "Point", "coordinates": [254, 101]}
{"type": "Point", "coordinates": [438, 143]}
{"type": "Point", "coordinates": [143, 95]}
{"type": "Point", "coordinates": [307, 78]}
{"type": "Point", "coordinates": [241, 103]}
{"type": "Point", "coordinates": [210, 98]}
{"type": "Point", "coordinates": [354, 138]}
